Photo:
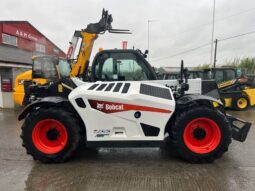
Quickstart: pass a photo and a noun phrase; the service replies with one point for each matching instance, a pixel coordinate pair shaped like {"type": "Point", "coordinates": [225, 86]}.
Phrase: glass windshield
{"type": "Point", "coordinates": [64, 68]}
{"type": "Point", "coordinates": [121, 67]}
{"type": "Point", "coordinates": [206, 75]}
{"type": "Point", "coordinates": [230, 74]}
{"type": "Point", "coordinates": [219, 76]}
{"type": "Point", "coordinates": [51, 68]}
{"type": "Point", "coordinates": [44, 67]}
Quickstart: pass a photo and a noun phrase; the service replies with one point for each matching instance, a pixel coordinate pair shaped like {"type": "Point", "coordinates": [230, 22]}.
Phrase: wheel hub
{"type": "Point", "coordinates": [199, 133]}
{"type": "Point", "coordinates": [242, 103]}
{"type": "Point", "coordinates": [49, 136]}
{"type": "Point", "coordinates": [202, 135]}
{"type": "Point", "coordinates": [52, 134]}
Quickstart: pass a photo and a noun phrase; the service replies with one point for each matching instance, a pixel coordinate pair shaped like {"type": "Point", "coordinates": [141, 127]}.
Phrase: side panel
{"type": "Point", "coordinates": [228, 102]}
{"type": "Point", "coordinates": [251, 95]}
{"type": "Point", "coordinates": [195, 85]}
{"type": "Point", "coordinates": [122, 115]}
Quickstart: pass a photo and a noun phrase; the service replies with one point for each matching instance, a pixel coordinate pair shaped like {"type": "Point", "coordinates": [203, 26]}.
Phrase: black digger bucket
{"type": "Point", "coordinates": [240, 128]}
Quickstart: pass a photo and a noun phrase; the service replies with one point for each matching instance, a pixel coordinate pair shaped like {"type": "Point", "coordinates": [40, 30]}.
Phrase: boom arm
{"type": "Point", "coordinates": [73, 44]}
{"type": "Point", "coordinates": [89, 35]}
{"type": "Point", "coordinates": [79, 68]}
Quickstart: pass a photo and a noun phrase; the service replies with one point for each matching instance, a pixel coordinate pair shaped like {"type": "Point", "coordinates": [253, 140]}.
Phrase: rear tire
{"type": "Point", "coordinates": [200, 134]}
{"type": "Point", "coordinates": [240, 102]}
{"type": "Point", "coordinates": [51, 135]}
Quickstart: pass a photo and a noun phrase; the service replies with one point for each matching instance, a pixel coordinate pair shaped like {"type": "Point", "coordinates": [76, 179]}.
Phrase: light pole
{"type": "Point", "coordinates": [149, 21]}
{"type": "Point", "coordinates": [212, 42]}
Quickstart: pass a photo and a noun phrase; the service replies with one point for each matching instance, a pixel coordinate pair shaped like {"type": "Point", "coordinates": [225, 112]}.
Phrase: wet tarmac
{"type": "Point", "coordinates": [124, 169]}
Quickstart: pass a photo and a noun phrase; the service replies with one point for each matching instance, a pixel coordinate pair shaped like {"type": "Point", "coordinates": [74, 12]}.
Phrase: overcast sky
{"type": "Point", "coordinates": [179, 26]}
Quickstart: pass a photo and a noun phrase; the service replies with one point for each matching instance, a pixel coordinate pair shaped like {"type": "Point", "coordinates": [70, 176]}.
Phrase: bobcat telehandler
{"type": "Point", "coordinates": [115, 110]}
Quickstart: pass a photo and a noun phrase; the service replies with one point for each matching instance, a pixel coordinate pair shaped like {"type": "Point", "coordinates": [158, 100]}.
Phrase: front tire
{"type": "Point", "coordinates": [240, 102]}
{"type": "Point", "coordinates": [51, 135]}
{"type": "Point", "coordinates": [201, 134]}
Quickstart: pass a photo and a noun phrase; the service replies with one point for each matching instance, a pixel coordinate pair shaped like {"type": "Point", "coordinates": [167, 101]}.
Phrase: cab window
{"type": "Point", "coordinates": [230, 75]}
{"type": "Point", "coordinates": [121, 67]}
{"type": "Point", "coordinates": [206, 75]}
{"type": "Point", "coordinates": [219, 76]}
{"type": "Point", "coordinates": [64, 68]}
{"type": "Point", "coordinates": [44, 67]}
{"type": "Point", "coordinates": [171, 76]}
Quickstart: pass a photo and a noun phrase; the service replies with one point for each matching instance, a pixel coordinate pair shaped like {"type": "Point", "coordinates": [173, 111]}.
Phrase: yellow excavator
{"type": "Point", "coordinates": [41, 67]}
{"type": "Point", "coordinates": [49, 74]}
{"type": "Point", "coordinates": [23, 78]}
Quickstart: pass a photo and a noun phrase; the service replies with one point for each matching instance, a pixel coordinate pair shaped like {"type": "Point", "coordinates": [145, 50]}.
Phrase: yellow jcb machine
{"type": "Point", "coordinates": [50, 74]}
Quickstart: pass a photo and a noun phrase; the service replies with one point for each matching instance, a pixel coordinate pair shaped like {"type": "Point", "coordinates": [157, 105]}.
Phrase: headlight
{"type": "Point", "coordinates": [215, 104]}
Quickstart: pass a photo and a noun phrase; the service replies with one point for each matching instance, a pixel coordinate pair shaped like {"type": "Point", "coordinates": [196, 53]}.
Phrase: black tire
{"type": "Point", "coordinates": [184, 118]}
{"type": "Point", "coordinates": [72, 130]}
{"type": "Point", "coordinates": [237, 102]}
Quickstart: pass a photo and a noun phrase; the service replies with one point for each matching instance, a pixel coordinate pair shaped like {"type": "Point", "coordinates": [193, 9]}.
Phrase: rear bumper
{"type": "Point", "coordinates": [240, 128]}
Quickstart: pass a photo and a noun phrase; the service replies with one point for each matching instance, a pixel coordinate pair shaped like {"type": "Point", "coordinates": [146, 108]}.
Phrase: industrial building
{"type": "Point", "coordinates": [19, 41]}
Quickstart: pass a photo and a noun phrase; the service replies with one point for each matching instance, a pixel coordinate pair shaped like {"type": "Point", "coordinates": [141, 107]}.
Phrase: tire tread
{"type": "Point", "coordinates": [75, 129]}
{"type": "Point", "coordinates": [195, 158]}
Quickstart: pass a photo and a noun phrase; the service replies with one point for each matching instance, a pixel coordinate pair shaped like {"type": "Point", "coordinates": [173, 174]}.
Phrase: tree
{"type": "Point", "coordinates": [202, 67]}
{"type": "Point", "coordinates": [233, 63]}
{"type": "Point", "coordinates": [248, 64]}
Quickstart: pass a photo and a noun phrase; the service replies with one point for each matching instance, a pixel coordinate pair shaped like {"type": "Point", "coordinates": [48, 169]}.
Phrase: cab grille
{"type": "Point", "coordinates": [155, 91]}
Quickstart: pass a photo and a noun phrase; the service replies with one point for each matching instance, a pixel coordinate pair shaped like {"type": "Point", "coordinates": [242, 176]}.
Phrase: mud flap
{"type": "Point", "coordinates": [240, 128]}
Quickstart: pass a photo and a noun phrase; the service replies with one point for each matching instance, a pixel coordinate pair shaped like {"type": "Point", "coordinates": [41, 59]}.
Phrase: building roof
{"type": "Point", "coordinates": [26, 22]}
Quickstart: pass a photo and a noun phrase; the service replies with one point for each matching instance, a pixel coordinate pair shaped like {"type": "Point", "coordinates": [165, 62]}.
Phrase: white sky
{"type": "Point", "coordinates": [180, 25]}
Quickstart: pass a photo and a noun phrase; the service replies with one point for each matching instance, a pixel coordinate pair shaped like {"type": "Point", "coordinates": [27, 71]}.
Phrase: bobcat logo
{"type": "Point", "coordinates": [100, 106]}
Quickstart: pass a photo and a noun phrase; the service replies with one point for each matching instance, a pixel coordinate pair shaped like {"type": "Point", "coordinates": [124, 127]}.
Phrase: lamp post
{"type": "Point", "coordinates": [149, 21]}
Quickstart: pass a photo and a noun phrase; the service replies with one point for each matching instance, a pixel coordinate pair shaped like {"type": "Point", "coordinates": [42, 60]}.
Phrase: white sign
{"type": "Point", "coordinates": [26, 35]}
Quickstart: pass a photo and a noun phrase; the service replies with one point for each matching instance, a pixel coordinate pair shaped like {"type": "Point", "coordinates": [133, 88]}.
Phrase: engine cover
{"type": "Point", "coordinates": [123, 110]}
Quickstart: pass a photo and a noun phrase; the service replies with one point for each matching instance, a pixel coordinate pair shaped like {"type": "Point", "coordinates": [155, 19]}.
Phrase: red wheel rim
{"type": "Point", "coordinates": [202, 135]}
{"type": "Point", "coordinates": [49, 136]}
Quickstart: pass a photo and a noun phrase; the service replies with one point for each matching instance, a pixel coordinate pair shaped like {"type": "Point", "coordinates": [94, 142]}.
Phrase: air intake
{"type": "Point", "coordinates": [155, 91]}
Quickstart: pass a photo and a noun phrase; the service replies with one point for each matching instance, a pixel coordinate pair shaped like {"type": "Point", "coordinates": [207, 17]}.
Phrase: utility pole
{"type": "Point", "coordinates": [215, 53]}
{"type": "Point", "coordinates": [149, 38]}
{"type": "Point", "coordinates": [211, 59]}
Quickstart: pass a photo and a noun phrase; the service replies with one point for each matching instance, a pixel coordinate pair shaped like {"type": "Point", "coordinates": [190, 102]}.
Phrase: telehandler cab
{"type": "Point", "coordinates": [115, 110]}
